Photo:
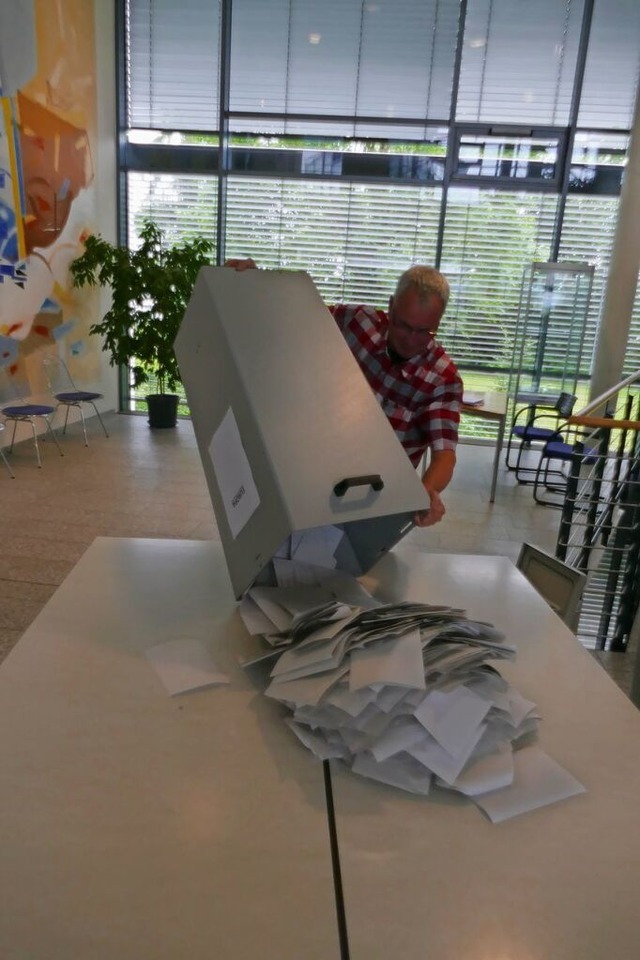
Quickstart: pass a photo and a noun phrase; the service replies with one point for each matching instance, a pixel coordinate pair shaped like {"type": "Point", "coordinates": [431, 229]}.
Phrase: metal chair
{"type": "Point", "coordinates": [6, 462]}
{"type": "Point", "coordinates": [526, 429]}
{"type": "Point", "coordinates": [561, 586]}
{"type": "Point", "coordinates": [67, 395]}
{"type": "Point", "coordinates": [25, 412]}
{"type": "Point", "coordinates": [563, 446]}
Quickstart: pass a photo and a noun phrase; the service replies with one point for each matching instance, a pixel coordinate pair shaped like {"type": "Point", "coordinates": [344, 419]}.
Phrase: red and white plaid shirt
{"type": "Point", "coordinates": [421, 396]}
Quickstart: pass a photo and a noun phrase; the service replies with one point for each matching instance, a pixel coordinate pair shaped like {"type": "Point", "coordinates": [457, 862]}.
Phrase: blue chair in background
{"type": "Point", "coordinates": [531, 426]}
{"type": "Point", "coordinates": [23, 410]}
{"type": "Point", "coordinates": [67, 395]}
{"type": "Point", "coordinates": [563, 447]}
{"type": "Point", "coordinates": [6, 462]}
{"type": "Point", "coordinates": [30, 413]}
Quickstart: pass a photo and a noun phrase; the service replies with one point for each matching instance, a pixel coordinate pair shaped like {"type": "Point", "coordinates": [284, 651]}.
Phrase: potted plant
{"type": "Point", "coordinates": [150, 290]}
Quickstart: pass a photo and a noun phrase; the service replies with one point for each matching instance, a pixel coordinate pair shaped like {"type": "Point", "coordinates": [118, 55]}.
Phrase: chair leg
{"type": "Point", "coordinates": [84, 426]}
{"type": "Point", "coordinates": [517, 468]}
{"type": "Point", "coordinates": [99, 418]}
{"type": "Point", "coordinates": [66, 417]}
{"type": "Point", "coordinates": [35, 442]}
{"type": "Point", "coordinates": [542, 479]}
{"type": "Point", "coordinates": [510, 445]}
{"type": "Point", "coordinates": [507, 456]}
{"type": "Point", "coordinates": [525, 475]}
{"type": "Point", "coordinates": [13, 435]}
{"type": "Point", "coordinates": [53, 436]}
{"type": "Point", "coordinates": [7, 465]}
{"type": "Point", "coordinates": [538, 478]}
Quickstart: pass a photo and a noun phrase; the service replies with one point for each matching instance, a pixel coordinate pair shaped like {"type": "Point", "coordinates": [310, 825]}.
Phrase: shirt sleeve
{"type": "Point", "coordinates": [341, 313]}
{"type": "Point", "coordinates": [441, 416]}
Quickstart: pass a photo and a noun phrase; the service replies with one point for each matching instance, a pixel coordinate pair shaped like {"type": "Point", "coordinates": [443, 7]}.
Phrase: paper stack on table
{"type": "Point", "coordinates": [402, 693]}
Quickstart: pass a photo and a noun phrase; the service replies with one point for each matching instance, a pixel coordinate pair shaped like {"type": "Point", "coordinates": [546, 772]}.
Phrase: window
{"type": "Point", "coordinates": [364, 135]}
{"type": "Point", "coordinates": [345, 58]}
{"type": "Point", "coordinates": [173, 64]}
{"type": "Point", "coordinates": [523, 156]}
{"type": "Point", "coordinates": [519, 61]}
{"type": "Point", "coordinates": [612, 66]}
{"type": "Point", "coordinates": [354, 239]}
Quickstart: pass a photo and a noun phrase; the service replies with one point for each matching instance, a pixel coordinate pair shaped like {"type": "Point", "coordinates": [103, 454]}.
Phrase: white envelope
{"type": "Point", "coordinates": [184, 665]}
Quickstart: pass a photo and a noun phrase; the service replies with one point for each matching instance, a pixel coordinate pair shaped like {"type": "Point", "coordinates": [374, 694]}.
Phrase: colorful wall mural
{"type": "Point", "coordinates": [47, 197]}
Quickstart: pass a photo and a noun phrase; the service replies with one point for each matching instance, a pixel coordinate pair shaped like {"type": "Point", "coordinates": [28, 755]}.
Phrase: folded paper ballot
{"type": "Point", "coordinates": [185, 664]}
{"type": "Point", "coordinates": [401, 693]}
{"type": "Point", "coordinates": [471, 398]}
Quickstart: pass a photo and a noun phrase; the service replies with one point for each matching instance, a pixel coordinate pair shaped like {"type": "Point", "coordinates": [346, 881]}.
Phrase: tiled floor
{"type": "Point", "coordinates": [143, 483]}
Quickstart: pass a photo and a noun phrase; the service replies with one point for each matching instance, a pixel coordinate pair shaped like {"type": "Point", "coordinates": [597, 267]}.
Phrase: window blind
{"type": "Point", "coordinates": [587, 235]}
{"type": "Point", "coordinates": [182, 206]}
{"type": "Point", "coordinates": [632, 356]}
{"type": "Point", "coordinates": [489, 238]}
{"type": "Point", "coordinates": [612, 66]}
{"type": "Point", "coordinates": [356, 58]}
{"type": "Point", "coordinates": [359, 68]}
{"type": "Point", "coordinates": [518, 62]}
{"type": "Point", "coordinates": [353, 239]}
{"type": "Point", "coordinates": [172, 61]}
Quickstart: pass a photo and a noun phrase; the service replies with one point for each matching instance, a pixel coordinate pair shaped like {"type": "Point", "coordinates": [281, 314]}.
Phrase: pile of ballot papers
{"type": "Point", "coordinates": [402, 693]}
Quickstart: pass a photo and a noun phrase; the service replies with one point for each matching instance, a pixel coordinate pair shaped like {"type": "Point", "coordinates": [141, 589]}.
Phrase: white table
{"type": "Point", "coordinates": [436, 880]}
{"type": "Point", "coordinates": [137, 826]}
{"type": "Point", "coordinates": [134, 826]}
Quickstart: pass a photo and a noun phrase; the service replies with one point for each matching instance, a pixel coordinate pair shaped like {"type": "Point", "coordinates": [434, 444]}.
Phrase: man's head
{"type": "Point", "coordinates": [415, 310]}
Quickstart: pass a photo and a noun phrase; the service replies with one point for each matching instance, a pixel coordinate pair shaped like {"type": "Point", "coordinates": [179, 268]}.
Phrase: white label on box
{"type": "Point", "coordinates": [233, 473]}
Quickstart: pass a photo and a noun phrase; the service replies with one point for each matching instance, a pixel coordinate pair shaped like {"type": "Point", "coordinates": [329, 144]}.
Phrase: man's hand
{"type": "Point", "coordinates": [435, 513]}
{"type": "Point", "coordinates": [241, 265]}
{"type": "Point", "coordinates": [436, 478]}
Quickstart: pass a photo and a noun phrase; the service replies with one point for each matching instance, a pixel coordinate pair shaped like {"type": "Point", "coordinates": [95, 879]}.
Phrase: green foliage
{"type": "Point", "coordinates": [150, 290]}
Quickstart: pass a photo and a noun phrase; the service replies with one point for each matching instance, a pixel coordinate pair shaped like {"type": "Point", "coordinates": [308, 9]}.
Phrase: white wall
{"type": "Point", "coordinates": [104, 161]}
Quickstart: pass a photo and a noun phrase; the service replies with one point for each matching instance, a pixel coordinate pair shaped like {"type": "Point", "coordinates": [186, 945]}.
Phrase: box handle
{"type": "Point", "coordinates": [373, 479]}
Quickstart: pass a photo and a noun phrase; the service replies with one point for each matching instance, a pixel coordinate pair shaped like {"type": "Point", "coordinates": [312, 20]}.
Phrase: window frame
{"type": "Point", "coordinates": [224, 159]}
{"type": "Point", "coordinates": [513, 132]}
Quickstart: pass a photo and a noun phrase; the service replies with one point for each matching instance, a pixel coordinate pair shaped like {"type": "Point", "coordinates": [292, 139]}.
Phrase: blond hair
{"type": "Point", "coordinates": [426, 281]}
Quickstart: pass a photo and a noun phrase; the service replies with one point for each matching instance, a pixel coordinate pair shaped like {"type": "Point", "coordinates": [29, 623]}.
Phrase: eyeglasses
{"type": "Point", "coordinates": [419, 333]}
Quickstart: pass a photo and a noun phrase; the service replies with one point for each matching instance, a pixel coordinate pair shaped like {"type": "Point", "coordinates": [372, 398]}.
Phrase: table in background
{"type": "Point", "coordinates": [493, 407]}
{"type": "Point", "coordinates": [134, 825]}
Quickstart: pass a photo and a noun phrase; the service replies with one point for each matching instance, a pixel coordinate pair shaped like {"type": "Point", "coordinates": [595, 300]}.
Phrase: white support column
{"type": "Point", "coordinates": [620, 292]}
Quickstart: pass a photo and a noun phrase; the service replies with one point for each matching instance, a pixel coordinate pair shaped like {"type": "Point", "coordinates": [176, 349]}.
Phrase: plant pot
{"type": "Point", "coordinates": [163, 410]}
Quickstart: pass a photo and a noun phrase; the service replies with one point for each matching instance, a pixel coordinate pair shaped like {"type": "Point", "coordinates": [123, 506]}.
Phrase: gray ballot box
{"type": "Point", "coordinates": [290, 434]}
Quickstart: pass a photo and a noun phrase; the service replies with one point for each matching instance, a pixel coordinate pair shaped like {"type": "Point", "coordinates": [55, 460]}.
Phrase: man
{"type": "Point", "coordinates": [415, 382]}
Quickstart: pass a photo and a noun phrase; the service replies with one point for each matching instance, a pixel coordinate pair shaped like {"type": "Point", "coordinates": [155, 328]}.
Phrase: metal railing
{"type": "Point", "coordinates": [599, 529]}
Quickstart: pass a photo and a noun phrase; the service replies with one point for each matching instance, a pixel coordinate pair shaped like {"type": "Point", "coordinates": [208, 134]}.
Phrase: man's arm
{"type": "Point", "coordinates": [441, 421]}
{"type": "Point", "coordinates": [437, 476]}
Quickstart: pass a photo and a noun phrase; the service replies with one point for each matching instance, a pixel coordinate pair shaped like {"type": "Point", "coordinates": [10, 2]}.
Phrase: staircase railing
{"type": "Point", "coordinates": [599, 529]}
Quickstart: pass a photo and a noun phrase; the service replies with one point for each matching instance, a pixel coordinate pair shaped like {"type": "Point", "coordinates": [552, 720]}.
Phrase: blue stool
{"type": "Point", "coordinates": [29, 413]}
